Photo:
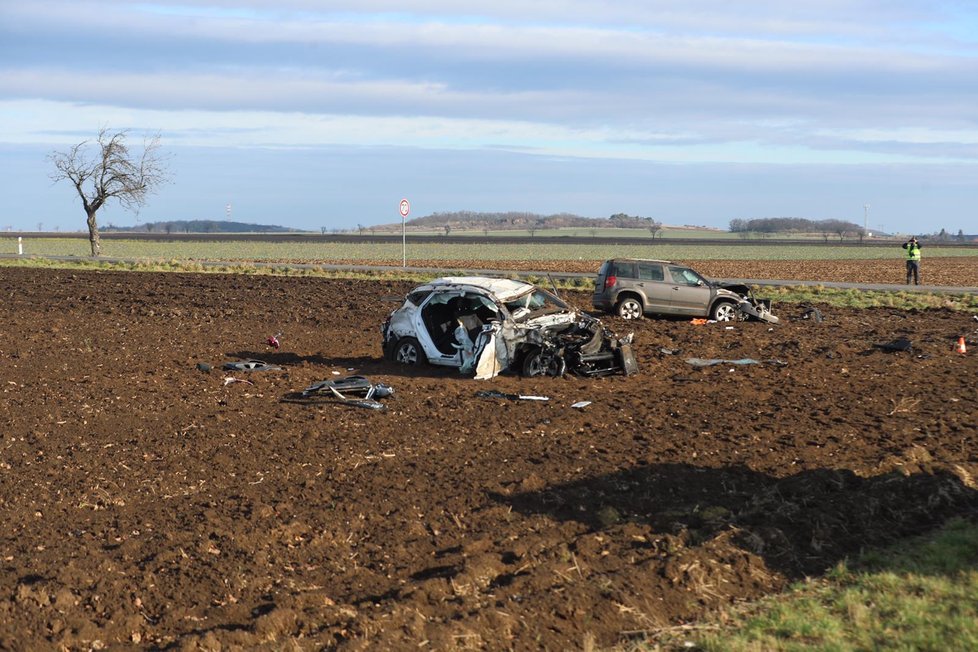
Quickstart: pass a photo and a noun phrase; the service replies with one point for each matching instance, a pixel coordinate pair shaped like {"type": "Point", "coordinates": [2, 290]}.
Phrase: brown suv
{"type": "Point", "coordinates": [632, 287]}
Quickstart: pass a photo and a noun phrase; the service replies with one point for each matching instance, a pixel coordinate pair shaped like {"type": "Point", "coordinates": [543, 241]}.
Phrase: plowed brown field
{"type": "Point", "coordinates": [148, 504]}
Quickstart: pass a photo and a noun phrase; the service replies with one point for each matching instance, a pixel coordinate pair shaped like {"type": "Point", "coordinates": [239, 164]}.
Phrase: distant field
{"type": "Point", "coordinates": [391, 252]}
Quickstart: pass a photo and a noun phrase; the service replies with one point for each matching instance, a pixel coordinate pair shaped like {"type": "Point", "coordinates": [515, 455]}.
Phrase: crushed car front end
{"type": "Point", "coordinates": [749, 306]}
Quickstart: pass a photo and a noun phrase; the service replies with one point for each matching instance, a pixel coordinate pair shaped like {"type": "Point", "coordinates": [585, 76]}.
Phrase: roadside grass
{"type": "Point", "coordinates": [821, 295]}
{"type": "Point", "coordinates": [921, 594]}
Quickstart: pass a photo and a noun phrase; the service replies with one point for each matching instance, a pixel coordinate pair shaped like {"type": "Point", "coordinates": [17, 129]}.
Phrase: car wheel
{"type": "Point", "coordinates": [408, 351]}
{"type": "Point", "coordinates": [725, 311]}
{"type": "Point", "coordinates": [537, 363]}
{"type": "Point", "coordinates": [629, 308]}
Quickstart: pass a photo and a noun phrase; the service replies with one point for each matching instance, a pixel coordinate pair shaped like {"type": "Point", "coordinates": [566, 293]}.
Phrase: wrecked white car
{"type": "Point", "coordinates": [485, 326]}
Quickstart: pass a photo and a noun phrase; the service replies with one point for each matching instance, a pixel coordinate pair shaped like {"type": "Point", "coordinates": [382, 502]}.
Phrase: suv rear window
{"type": "Point", "coordinates": [650, 272]}
{"type": "Point", "coordinates": [624, 269]}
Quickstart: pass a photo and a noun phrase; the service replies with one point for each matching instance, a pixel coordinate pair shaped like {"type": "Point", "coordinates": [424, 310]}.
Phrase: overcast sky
{"type": "Point", "coordinates": [325, 114]}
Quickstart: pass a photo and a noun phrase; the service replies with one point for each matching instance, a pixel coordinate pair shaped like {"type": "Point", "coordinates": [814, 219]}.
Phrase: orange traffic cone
{"type": "Point", "coordinates": [960, 347]}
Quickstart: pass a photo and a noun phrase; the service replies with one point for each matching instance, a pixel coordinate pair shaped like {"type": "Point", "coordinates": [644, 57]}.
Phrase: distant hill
{"type": "Point", "coordinates": [522, 221]}
{"type": "Point", "coordinates": [201, 226]}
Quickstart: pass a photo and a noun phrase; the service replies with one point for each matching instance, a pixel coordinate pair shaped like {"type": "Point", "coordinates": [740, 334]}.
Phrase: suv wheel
{"type": "Point", "coordinates": [408, 351]}
{"type": "Point", "coordinates": [725, 311]}
{"type": "Point", "coordinates": [629, 308]}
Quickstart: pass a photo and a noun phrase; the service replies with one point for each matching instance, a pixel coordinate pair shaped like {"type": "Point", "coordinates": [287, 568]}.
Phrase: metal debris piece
{"type": "Point", "coordinates": [231, 379]}
{"type": "Point", "coordinates": [581, 404]}
{"type": "Point", "coordinates": [491, 393]}
{"type": "Point", "coordinates": [356, 390]}
{"type": "Point", "coordinates": [710, 362]}
{"type": "Point", "coordinates": [251, 365]}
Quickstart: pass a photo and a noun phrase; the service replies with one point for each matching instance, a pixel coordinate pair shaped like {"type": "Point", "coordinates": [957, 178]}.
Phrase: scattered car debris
{"type": "Point", "coordinates": [251, 365]}
{"type": "Point", "coordinates": [813, 313]}
{"type": "Point", "coordinates": [357, 391]}
{"type": "Point", "coordinates": [710, 362]}
{"type": "Point", "coordinates": [353, 385]}
{"type": "Point", "coordinates": [665, 351]}
{"type": "Point", "coordinates": [485, 326]}
{"type": "Point", "coordinates": [274, 341]}
{"type": "Point", "coordinates": [633, 287]}
{"type": "Point", "coordinates": [901, 344]}
{"type": "Point", "coordinates": [231, 379]}
{"type": "Point", "coordinates": [581, 404]}
{"type": "Point", "coordinates": [203, 367]}
{"type": "Point", "coordinates": [491, 393]}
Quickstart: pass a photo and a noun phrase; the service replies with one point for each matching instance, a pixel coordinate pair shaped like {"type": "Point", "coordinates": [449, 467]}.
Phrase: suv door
{"type": "Point", "coordinates": [652, 282]}
{"type": "Point", "coordinates": [690, 293]}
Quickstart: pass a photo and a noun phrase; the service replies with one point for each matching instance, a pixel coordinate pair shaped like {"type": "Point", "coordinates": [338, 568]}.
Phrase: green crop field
{"type": "Point", "coordinates": [391, 252]}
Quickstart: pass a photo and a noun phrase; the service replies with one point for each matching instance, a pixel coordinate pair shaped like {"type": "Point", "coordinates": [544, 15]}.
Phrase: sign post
{"type": "Point", "coordinates": [404, 209]}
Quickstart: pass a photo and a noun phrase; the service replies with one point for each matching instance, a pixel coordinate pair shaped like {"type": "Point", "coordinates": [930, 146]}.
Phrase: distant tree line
{"type": "Point", "coordinates": [521, 220]}
{"type": "Point", "coordinates": [770, 225]}
{"type": "Point", "coordinates": [200, 226]}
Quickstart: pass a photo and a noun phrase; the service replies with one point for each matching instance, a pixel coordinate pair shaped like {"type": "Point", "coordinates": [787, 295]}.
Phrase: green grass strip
{"type": "Point", "coordinates": [919, 595]}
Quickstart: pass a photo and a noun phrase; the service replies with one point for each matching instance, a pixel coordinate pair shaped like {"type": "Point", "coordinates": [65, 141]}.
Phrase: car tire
{"type": "Point", "coordinates": [408, 351]}
{"type": "Point", "coordinates": [724, 311]}
{"type": "Point", "coordinates": [629, 308]}
{"type": "Point", "coordinates": [535, 363]}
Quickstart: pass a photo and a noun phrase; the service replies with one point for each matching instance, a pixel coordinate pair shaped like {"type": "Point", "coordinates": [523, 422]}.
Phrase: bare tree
{"type": "Point", "coordinates": [113, 172]}
{"type": "Point", "coordinates": [654, 228]}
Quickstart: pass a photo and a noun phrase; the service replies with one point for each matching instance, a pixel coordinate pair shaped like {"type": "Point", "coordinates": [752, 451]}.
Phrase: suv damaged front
{"type": "Point", "coordinates": [750, 307]}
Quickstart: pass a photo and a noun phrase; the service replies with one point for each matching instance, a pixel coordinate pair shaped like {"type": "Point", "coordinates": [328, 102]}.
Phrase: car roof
{"type": "Point", "coordinates": [503, 289]}
{"type": "Point", "coordinates": [643, 260]}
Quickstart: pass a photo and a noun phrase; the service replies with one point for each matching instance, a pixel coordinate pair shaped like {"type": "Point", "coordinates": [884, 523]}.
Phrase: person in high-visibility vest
{"type": "Point", "coordinates": [913, 260]}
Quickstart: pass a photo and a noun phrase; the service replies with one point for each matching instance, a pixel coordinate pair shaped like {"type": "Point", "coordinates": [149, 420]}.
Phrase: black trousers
{"type": "Point", "coordinates": [913, 269]}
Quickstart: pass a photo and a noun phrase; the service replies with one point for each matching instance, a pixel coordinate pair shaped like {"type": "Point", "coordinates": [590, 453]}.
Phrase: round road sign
{"type": "Point", "coordinates": [405, 207]}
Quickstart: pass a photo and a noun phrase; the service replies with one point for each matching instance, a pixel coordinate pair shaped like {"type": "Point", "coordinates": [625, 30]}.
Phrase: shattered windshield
{"type": "Point", "coordinates": [533, 302]}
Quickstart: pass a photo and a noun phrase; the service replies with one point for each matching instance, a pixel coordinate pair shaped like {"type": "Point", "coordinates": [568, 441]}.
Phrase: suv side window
{"type": "Point", "coordinates": [650, 272]}
{"type": "Point", "coordinates": [625, 269]}
{"type": "Point", "coordinates": [684, 276]}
